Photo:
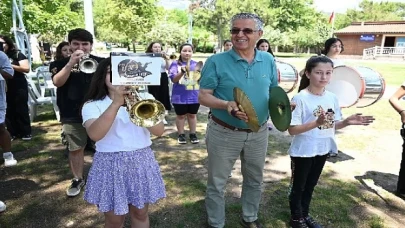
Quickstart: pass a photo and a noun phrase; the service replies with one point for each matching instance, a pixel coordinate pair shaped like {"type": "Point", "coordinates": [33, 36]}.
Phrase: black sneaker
{"type": "Point", "coordinates": [194, 139]}
{"type": "Point", "coordinates": [311, 223]}
{"type": "Point", "coordinates": [299, 223]}
{"type": "Point", "coordinates": [26, 137]}
{"type": "Point", "coordinates": [254, 224]}
{"type": "Point", "coordinates": [75, 187]}
{"type": "Point", "coordinates": [13, 137]}
{"type": "Point", "coordinates": [182, 139]}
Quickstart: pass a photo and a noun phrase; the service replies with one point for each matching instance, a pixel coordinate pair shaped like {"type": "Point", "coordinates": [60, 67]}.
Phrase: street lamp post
{"type": "Point", "coordinates": [88, 16]}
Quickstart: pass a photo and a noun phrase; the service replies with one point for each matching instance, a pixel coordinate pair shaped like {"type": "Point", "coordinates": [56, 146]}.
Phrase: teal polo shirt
{"type": "Point", "coordinates": [224, 71]}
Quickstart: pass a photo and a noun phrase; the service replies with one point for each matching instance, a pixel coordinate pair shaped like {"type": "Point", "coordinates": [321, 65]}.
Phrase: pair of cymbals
{"type": "Point", "coordinates": [279, 108]}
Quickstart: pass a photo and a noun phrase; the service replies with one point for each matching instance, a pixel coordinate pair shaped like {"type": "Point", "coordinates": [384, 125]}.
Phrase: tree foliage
{"type": "Point", "coordinates": [372, 11]}
{"type": "Point", "coordinates": [43, 17]}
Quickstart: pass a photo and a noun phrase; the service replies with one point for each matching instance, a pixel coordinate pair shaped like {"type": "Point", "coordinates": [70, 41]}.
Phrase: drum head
{"type": "Point", "coordinates": [345, 92]}
{"type": "Point", "coordinates": [288, 76]}
{"type": "Point", "coordinates": [375, 86]}
{"type": "Point", "coordinates": [350, 75]}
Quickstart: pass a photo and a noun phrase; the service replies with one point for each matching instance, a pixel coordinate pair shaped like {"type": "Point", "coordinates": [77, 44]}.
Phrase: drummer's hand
{"type": "Point", "coordinates": [293, 105]}
{"type": "Point", "coordinates": [359, 119]}
{"type": "Point", "coordinates": [234, 111]}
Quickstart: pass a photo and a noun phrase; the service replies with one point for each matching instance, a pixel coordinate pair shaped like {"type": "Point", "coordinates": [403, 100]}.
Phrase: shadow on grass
{"type": "Point", "coordinates": [341, 157]}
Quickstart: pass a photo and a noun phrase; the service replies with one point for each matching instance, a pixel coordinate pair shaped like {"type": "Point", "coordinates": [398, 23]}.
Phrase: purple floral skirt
{"type": "Point", "coordinates": [118, 179]}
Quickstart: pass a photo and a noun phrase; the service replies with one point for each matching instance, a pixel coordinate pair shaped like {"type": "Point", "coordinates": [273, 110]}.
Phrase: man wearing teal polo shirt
{"type": "Point", "coordinates": [228, 136]}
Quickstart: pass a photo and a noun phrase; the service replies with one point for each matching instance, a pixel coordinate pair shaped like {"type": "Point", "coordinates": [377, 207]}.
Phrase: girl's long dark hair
{"type": "Point", "coordinates": [264, 41]}
{"type": "Point", "coordinates": [58, 54]}
{"type": "Point", "coordinates": [309, 66]}
{"type": "Point", "coordinates": [328, 44]}
{"type": "Point", "coordinates": [98, 89]}
{"type": "Point", "coordinates": [12, 49]}
{"type": "Point", "coordinates": [180, 60]}
{"type": "Point", "coordinates": [149, 48]}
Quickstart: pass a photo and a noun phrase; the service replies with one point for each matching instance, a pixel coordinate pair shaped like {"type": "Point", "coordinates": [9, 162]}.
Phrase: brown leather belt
{"type": "Point", "coordinates": [223, 124]}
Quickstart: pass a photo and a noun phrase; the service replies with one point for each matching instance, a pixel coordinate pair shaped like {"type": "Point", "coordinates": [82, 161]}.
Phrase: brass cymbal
{"type": "Point", "coordinates": [279, 108]}
{"type": "Point", "coordinates": [246, 106]}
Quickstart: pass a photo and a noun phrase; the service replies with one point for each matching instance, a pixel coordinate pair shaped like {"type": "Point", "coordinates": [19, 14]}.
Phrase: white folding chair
{"type": "Point", "coordinates": [35, 99]}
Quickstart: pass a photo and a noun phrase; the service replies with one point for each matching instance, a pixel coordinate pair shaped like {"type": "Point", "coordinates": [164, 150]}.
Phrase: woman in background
{"type": "Point", "coordinates": [264, 45]}
{"type": "Point", "coordinates": [62, 51]}
{"type": "Point", "coordinates": [161, 92]}
{"type": "Point", "coordinates": [333, 48]}
{"type": "Point", "coordinates": [17, 116]}
{"type": "Point", "coordinates": [227, 45]}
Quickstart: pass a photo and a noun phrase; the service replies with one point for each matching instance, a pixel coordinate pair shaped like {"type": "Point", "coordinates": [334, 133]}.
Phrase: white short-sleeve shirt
{"type": "Point", "coordinates": [123, 134]}
{"type": "Point", "coordinates": [320, 140]}
{"type": "Point", "coordinates": [337, 62]}
{"type": "Point", "coordinates": [163, 66]}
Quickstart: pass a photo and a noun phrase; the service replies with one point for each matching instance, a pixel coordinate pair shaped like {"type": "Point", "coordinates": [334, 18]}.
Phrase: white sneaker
{"type": "Point", "coordinates": [9, 159]}
{"type": "Point", "coordinates": [2, 206]}
{"type": "Point", "coordinates": [164, 121]}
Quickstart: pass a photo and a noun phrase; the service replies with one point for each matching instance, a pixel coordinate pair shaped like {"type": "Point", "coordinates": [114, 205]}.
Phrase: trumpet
{"type": "Point", "coordinates": [86, 65]}
{"type": "Point", "coordinates": [143, 112]}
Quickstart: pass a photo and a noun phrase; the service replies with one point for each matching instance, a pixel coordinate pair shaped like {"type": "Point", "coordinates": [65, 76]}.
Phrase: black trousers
{"type": "Point", "coordinates": [161, 92]}
{"type": "Point", "coordinates": [305, 175]}
{"type": "Point", "coordinates": [401, 176]}
{"type": "Point", "coordinates": [17, 114]}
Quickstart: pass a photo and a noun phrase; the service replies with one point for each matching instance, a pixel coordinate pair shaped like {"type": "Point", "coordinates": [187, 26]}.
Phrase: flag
{"type": "Point", "coordinates": [332, 17]}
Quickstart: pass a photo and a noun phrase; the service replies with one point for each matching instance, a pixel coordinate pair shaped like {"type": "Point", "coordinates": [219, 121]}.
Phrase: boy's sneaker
{"type": "Point", "coordinates": [2, 206]}
{"type": "Point", "coordinates": [311, 223]}
{"type": "Point", "coordinates": [164, 121]}
{"type": "Point", "coordinates": [299, 223]}
{"type": "Point", "coordinates": [26, 137]}
{"type": "Point", "coordinates": [194, 139]}
{"type": "Point", "coordinates": [13, 137]}
{"type": "Point", "coordinates": [182, 139]}
{"type": "Point", "coordinates": [9, 159]}
{"type": "Point", "coordinates": [75, 187]}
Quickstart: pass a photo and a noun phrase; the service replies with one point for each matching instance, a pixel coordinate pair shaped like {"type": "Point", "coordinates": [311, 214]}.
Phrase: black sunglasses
{"type": "Point", "coordinates": [245, 31]}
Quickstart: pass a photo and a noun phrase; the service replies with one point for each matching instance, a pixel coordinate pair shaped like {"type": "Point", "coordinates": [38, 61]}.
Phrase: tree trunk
{"type": "Point", "coordinates": [276, 49]}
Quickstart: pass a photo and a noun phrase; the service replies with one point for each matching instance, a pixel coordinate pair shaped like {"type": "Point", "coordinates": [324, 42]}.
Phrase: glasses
{"type": "Point", "coordinates": [246, 31]}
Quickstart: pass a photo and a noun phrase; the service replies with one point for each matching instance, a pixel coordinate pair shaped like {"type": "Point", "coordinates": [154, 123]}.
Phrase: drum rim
{"type": "Point", "coordinates": [383, 87]}
{"type": "Point", "coordinates": [297, 76]}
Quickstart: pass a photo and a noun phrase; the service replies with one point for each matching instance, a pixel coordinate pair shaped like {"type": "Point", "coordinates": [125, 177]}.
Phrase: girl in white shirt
{"type": "Point", "coordinates": [125, 176]}
{"type": "Point", "coordinates": [333, 48]}
{"type": "Point", "coordinates": [314, 120]}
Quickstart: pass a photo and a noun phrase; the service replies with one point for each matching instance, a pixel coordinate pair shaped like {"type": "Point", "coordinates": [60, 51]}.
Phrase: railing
{"type": "Point", "coordinates": [377, 51]}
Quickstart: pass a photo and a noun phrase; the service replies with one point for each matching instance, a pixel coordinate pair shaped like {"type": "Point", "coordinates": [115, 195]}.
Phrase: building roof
{"type": "Point", "coordinates": [376, 27]}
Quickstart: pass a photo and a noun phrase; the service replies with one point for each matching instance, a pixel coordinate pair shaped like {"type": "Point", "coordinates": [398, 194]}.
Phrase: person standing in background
{"type": "Point", "coordinates": [18, 115]}
{"type": "Point", "coordinates": [161, 92]}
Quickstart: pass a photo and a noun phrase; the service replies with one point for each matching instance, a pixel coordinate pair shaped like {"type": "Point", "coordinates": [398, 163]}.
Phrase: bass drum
{"type": "Point", "coordinates": [374, 88]}
{"type": "Point", "coordinates": [288, 76]}
{"type": "Point", "coordinates": [360, 86]}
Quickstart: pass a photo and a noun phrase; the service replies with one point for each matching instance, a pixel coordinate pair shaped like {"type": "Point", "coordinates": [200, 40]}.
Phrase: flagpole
{"type": "Point", "coordinates": [333, 23]}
